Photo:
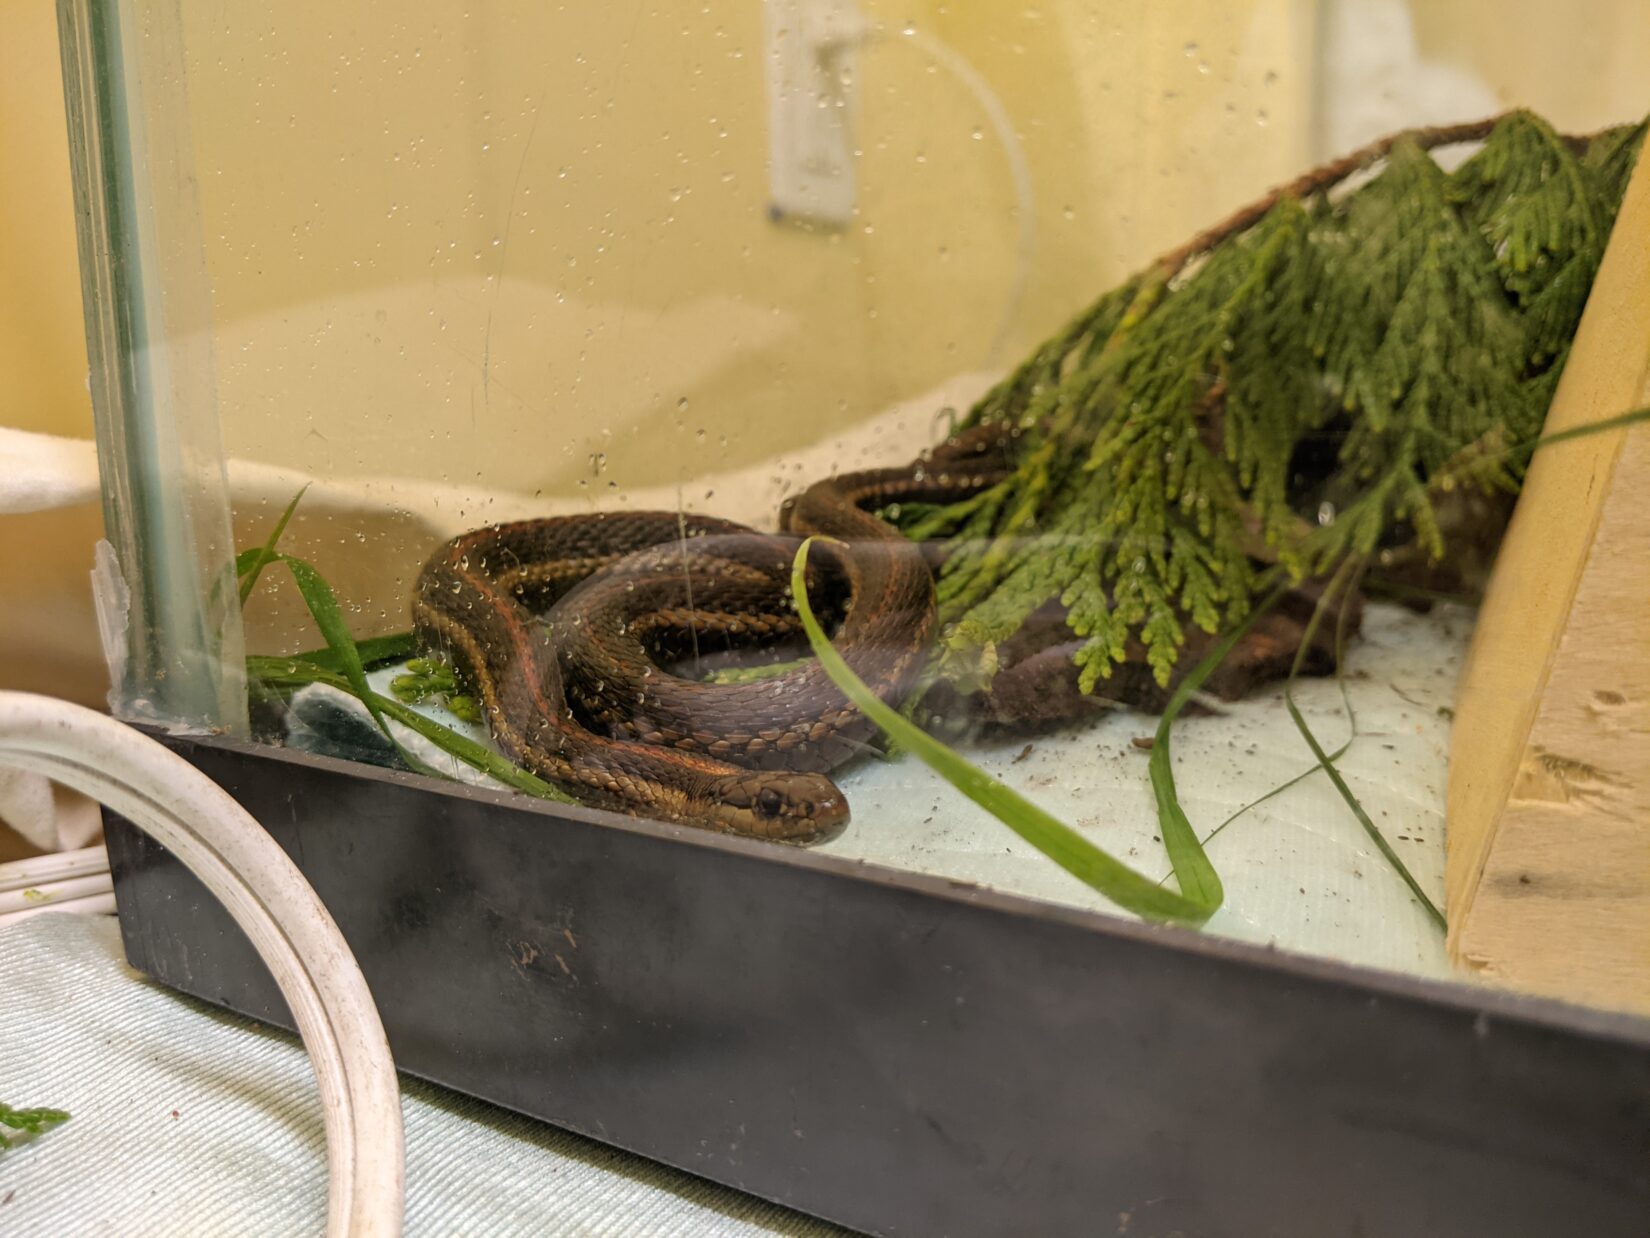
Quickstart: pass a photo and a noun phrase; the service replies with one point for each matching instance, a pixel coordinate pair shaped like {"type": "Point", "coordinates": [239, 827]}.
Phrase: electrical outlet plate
{"type": "Point", "coordinates": [810, 48]}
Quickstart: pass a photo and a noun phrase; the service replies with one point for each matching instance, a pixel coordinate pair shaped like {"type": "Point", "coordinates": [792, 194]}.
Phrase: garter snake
{"type": "Point", "coordinates": [582, 699]}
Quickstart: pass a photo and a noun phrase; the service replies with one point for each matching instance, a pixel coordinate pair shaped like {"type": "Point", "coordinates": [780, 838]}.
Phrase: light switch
{"type": "Point", "coordinates": [811, 53]}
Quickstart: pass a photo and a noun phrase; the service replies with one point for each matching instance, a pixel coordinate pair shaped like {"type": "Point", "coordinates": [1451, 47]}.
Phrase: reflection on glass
{"type": "Point", "coordinates": [569, 334]}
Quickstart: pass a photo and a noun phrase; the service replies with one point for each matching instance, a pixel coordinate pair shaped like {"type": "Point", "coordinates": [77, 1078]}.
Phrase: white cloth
{"type": "Point", "coordinates": [188, 1120]}
{"type": "Point", "coordinates": [48, 817]}
{"type": "Point", "coordinates": [43, 472]}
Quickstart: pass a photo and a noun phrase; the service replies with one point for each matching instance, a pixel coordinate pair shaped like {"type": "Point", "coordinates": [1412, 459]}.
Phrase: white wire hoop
{"type": "Point", "coordinates": [263, 890]}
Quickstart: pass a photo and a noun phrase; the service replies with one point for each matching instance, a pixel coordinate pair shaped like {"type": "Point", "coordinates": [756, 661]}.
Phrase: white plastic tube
{"type": "Point", "coordinates": [267, 896]}
{"type": "Point", "coordinates": [33, 896]}
{"type": "Point", "coordinates": [102, 904]}
{"type": "Point", "coordinates": [40, 870]}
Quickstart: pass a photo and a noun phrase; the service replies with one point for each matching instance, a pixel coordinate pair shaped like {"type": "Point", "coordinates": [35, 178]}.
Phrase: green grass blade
{"type": "Point", "coordinates": [249, 564]}
{"type": "Point", "coordinates": [1192, 867]}
{"type": "Point", "coordinates": [293, 673]}
{"type": "Point", "coordinates": [1067, 848]}
{"type": "Point", "coordinates": [342, 665]}
{"type": "Point", "coordinates": [1343, 582]}
{"type": "Point", "coordinates": [1352, 724]}
{"type": "Point", "coordinates": [1529, 446]}
{"type": "Point", "coordinates": [371, 652]}
{"type": "Point", "coordinates": [329, 617]}
{"type": "Point", "coordinates": [1630, 418]}
{"type": "Point", "coordinates": [1400, 591]}
{"type": "Point", "coordinates": [1370, 828]}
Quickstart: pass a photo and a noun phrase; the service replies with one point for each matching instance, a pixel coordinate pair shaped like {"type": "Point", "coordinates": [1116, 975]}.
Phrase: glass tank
{"type": "Point", "coordinates": [474, 386]}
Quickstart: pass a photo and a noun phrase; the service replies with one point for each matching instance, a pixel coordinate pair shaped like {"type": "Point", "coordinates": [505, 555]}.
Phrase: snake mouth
{"type": "Point", "coordinates": [830, 814]}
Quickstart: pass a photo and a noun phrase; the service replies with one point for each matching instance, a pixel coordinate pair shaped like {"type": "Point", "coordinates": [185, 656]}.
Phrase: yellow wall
{"type": "Point", "coordinates": [1582, 65]}
{"type": "Point", "coordinates": [529, 250]}
{"type": "Point", "coordinates": [48, 635]}
{"type": "Point", "coordinates": [356, 168]}
{"type": "Point", "coordinates": [493, 248]}
{"type": "Point", "coordinates": [42, 349]}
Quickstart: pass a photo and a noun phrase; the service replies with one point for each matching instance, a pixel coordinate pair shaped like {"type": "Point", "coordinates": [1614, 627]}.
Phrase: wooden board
{"type": "Point", "coordinates": [1549, 792]}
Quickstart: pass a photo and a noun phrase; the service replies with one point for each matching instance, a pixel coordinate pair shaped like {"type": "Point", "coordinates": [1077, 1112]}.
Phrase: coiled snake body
{"type": "Point", "coordinates": [583, 700]}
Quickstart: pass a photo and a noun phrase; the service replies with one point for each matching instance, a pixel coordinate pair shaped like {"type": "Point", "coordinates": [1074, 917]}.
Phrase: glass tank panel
{"type": "Point", "coordinates": [528, 342]}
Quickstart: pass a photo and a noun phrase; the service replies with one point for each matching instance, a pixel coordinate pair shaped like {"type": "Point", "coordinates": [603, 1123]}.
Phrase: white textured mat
{"type": "Point", "coordinates": [188, 1120]}
{"type": "Point", "coordinates": [1299, 871]}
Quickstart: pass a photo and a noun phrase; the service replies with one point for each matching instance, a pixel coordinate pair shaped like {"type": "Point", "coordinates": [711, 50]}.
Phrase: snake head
{"type": "Point", "coordinates": [803, 808]}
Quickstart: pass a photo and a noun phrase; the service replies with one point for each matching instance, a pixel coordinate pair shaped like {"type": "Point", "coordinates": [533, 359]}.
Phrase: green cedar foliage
{"type": "Point", "coordinates": [1296, 387]}
{"type": "Point", "coordinates": [28, 1122]}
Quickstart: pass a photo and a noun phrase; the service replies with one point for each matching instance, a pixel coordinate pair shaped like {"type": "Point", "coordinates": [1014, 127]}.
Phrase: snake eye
{"type": "Point", "coordinates": [769, 802]}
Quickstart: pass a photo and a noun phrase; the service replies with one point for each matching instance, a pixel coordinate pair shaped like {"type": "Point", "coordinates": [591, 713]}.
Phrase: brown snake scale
{"type": "Point", "coordinates": [584, 699]}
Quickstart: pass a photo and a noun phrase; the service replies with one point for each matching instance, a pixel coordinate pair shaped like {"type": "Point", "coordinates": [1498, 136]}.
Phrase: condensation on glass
{"type": "Point", "coordinates": [436, 269]}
